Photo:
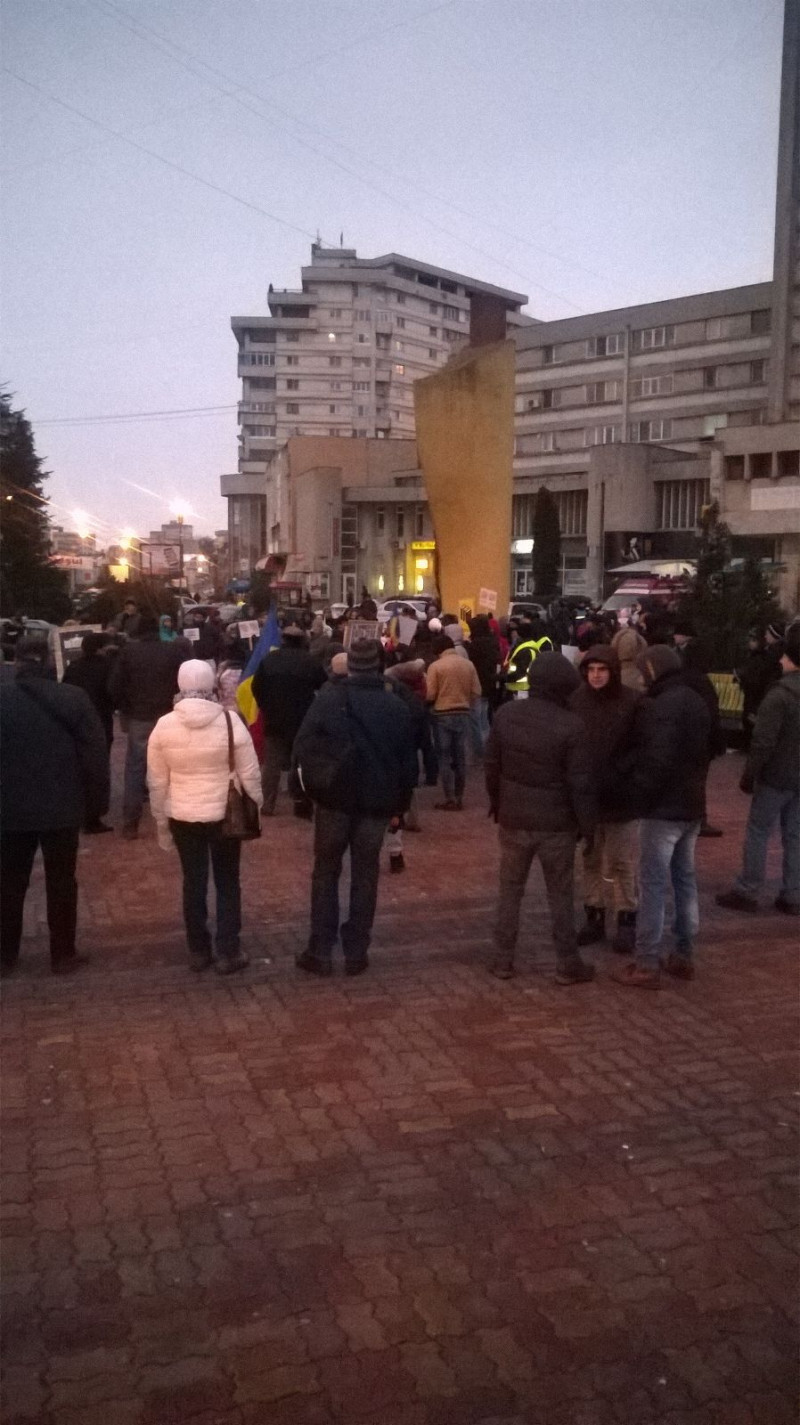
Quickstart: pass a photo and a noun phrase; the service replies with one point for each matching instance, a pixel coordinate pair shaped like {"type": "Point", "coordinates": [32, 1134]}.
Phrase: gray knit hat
{"type": "Point", "coordinates": [365, 656]}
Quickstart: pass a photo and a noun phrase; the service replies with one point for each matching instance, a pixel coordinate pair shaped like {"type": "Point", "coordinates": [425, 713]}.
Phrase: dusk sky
{"type": "Point", "coordinates": [592, 153]}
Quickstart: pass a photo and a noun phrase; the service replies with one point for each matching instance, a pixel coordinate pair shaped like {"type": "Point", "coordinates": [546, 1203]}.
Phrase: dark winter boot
{"type": "Point", "coordinates": [594, 928]}
{"type": "Point", "coordinates": [624, 941]}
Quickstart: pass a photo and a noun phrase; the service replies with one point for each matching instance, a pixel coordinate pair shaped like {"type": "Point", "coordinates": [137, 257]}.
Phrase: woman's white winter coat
{"type": "Point", "coordinates": [187, 762]}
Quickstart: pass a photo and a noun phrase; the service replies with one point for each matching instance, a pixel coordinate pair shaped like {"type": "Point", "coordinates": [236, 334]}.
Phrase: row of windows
{"type": "Point", "coordinates": [552, 441]}
{"type": "Point", "coordinates": [706, 378]}
{"type": "Point", "coordinates": [572, 506]}
{"type": "Point", "coordinates": [656, 338]}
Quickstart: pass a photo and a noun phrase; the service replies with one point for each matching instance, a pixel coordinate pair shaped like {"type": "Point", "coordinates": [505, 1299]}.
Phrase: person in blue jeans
{"type": "Point", "coordinates": [453, 686]}
{"type": "Point", "coordinates": [661, 779]}
{"type": "Point", "coordinates": [772, 774]}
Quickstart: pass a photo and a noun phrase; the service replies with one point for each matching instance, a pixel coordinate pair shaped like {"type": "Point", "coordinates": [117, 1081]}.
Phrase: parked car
{"type": "Point", "coordinates": [519, 607]}
{"type": "Point", "coordinates": [397, 606]}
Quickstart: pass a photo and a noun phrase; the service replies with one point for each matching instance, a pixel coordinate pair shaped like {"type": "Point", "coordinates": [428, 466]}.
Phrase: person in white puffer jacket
{"type": "Point", "coordinates": [188, 776]}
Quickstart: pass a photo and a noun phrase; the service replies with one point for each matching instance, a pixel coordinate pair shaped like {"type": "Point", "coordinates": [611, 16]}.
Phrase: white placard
{"type": "Point", "coordinates": [571, 652]}
{"type": "Point", "coordinates": [193, 634]}
{"type": "Point", "coordinates": [487, 599]}
{"type": "Point", "coordinates": [249, 628]}
{"type": "Point", "coordinates": [407, 628]}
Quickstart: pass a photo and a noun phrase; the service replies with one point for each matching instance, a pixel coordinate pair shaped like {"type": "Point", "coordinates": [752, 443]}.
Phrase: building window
{"type": "Point", "coordinates": [603, 435]}
{"type": "Point", "coordinates": [433, 308]}
{"type": "Point", "coordinates": [400, 523]}
{"type": "Point", "coordinates": [400, 321]}
{"type": "Point", "coordinates": [292, 360]}
{"type": "Point", "coordinates": [336, 385]}
{"type": "Point", "coordinates": [653, 337]}
{"type": "Point", "coordinates": [401, 370]}
{"type": "Point", "coordinates": [651, 430]}
{"type": "Point", "coordinates": [547, 441]}
{"type": "Point", "coordinates": [292, 409]}
{"type": "Point", "coordinates": [361, 337]}
{"type": "Point", "coordinates": [734, 467]}
{"type": "Point", "coordinates": [334, 360]}
{"type": "Point", "coordinates": [293, 385]}
{"type": "Point", "coordinates": [291, 336]}
{"type": "Point", "coordinates": [711, 424]}
{"type": "Point", "coordinates": [650, 386]}
{"type": "Point", "coordinates": [361, 361]}
{"type": "Point", "coordinates": [380, 520]}
{"type": "Point", "coordinates": [401, 299]}
{"type": "Point", "coordinates": [331, 410]}
{"type": "Point", "coordinates": [331, 336]}
{"type": "Point", "coordinates": [680, 503]}
{"type": "Point", "coordinates": [362, 314]}
{"type": "Point", "coordinates": [361, 411]}
{"type": "Point", "coordinates": [709, 378]}
{"type": "Point", "coordinates": [361, 385]}
{"type": "Point", "coordinates": [335, 313]}
{"type": "Point", "coordinates": [599, 392]}
{"type": "Point", "coordinates": [419, 522]}
{"type": "Point", "coordinates": [433, 331]}
{"type": "Point", "coordinates": [361, 432]}
{"type": "Point", "coordinates": [788, 464]}
{"type": "Point", "coordinates": [259, 358]}
{"type": "Point", "coordinates": [758, 372]}
{"type": "Point", "coordinates": [760, 322]}
{"type": "Point", "coordinates": [548, 355]}
{"type": "Point", "coordinates": [451, 312]}
{"type": "Point", "coordinates": [606, 345]}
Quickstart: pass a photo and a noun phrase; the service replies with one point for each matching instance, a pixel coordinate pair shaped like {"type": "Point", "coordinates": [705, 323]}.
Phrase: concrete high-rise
{"type": "Point", "coordinates": [339, 357]}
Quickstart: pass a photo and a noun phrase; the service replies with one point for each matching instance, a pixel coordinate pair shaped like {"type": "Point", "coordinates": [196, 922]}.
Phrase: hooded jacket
{"type": "Point", "coordinates": [608, 716]}
{"type": "Point", "coordinates": [629, 646]}
{"type": "Point", "coordinates": [663, 776]}
{"type": "Point", "coordinates": [774, 756]}
{"type": "Point", "coordinates": [537, 765]}
{"type": "Point", "coordinates": [187, 762]}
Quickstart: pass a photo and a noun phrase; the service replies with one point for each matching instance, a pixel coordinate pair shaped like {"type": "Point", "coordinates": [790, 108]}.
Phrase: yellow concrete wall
{"type": "Point", "coordinates": [465, 439]}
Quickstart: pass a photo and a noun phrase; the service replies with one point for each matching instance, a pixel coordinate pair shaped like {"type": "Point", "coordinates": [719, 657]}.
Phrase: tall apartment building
{"type": "Point", "coordinates": [339, 357]}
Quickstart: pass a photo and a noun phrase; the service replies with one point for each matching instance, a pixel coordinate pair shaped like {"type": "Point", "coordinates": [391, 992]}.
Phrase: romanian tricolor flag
{"type": "Point", "coordinates": [268, 639]}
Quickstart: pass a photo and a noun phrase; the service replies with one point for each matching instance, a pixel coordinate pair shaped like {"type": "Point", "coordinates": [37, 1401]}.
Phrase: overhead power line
{"type": "Point", "coordinates": [159, 157]}
{"type": "Point", "coordinates": [165, 46]}
{"type": "Point", "coordinates": [178, 411]}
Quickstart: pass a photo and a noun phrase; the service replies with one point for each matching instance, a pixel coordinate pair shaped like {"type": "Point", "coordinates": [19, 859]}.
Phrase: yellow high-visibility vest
{"type": "Point", "coordinates": [537, 646]}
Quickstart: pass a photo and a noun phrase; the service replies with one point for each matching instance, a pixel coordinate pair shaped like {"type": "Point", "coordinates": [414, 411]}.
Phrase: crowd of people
{"type": "Point", "coordinates": [586, 737]}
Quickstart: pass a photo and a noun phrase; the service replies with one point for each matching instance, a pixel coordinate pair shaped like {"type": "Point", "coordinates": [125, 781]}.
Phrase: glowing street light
{"type": "Point", "coordinates": [81, 523]}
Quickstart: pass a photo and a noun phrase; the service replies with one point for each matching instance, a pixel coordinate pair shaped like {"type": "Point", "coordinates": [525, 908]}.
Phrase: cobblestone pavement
{"type": "Point", "coordinates": [420, 1197]}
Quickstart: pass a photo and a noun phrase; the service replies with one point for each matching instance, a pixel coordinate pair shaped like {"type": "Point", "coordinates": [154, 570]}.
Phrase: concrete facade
{"type": "Point", "coordinates": [351, 514]}
{"type": "Point", "coordinates": [633, 417]}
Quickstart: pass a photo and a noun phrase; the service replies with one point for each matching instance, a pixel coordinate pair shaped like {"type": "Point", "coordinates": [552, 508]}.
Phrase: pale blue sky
{"type": "Point", "coordinates": [593, 153]}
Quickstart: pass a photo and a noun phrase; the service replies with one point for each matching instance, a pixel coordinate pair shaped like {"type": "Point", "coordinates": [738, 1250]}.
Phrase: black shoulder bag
{"type": "Point", "coordinates": [241, 821]}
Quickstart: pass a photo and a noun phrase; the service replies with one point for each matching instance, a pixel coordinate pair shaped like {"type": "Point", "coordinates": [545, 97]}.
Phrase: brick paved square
{"type": "Point", "coordinates": [422, 1197]}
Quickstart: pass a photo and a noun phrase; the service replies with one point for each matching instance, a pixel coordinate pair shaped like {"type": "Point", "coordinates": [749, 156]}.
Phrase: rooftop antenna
{"type": "Point", "coordinates": [341, 239]}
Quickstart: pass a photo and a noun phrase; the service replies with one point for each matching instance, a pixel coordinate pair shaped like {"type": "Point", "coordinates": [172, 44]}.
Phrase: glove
{"type": "Point", "coordinates": [747, 783]}
{"type": "Point", "coordinates": [164, 837]}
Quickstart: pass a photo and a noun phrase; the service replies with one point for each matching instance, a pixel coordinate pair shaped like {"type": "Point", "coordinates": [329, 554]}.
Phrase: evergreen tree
{"type": "Point", "coordinates": [724, 603]}
{"type": "Point", "coordinates": [546, 543]}
{"type": "Point", "coordinates": [29, 583]}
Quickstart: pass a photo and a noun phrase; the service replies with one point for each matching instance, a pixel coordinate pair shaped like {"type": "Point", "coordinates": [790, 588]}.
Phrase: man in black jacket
{"type": "Point", "coordinates": [54, 774]}
{"type": "Point", "coordinates": [663, 782]}
{"type": "Point", "coordinates": [356, 756]}
{"type": "Point", "coordinates": [284, 686]}
{"type": "Point", "coordinates": [695, 663]}
{"type": "Point", "coordinates": [484, 651]}
{"type": "Point", "coordinates": [772, 774]}
{"type": "Point", "coordinates": [91, 672]}
{"type": "Point", "coordinates": [143, 683]}
{"type": "Point", "coordinates": [538, 776]}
